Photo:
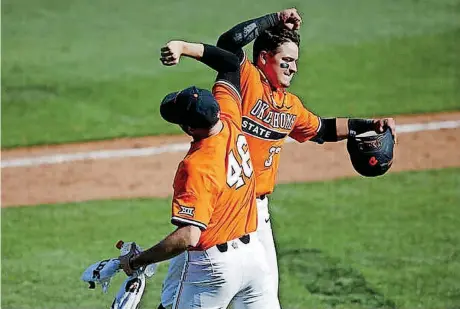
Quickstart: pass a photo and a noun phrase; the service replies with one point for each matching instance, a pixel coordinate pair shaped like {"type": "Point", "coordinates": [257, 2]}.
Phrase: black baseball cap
{"type": "Point", "coordinates": [193, 107]}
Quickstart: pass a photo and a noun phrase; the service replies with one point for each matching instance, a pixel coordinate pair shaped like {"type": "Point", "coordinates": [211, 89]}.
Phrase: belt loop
{"type": "Point", "coordinates": [222, 247]}
{"type": "Point", "coordinates": [245, 239]}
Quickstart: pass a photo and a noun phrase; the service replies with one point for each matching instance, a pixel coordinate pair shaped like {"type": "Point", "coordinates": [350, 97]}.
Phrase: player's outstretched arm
{"type": "Point", "coordinates": [224, 62]}
{"type": "Point", "coordinates": [242, 34]}
{"type": "Point", "coordinates": [336, 129]}
{"type": "Point", "coordinates": [216, 58]}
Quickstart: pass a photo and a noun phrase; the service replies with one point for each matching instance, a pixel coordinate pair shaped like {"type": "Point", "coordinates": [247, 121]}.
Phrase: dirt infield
{"type": "Point", "coordinates": [151, 176]}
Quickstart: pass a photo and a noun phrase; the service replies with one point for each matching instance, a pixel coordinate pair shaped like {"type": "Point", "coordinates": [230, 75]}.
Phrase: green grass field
{"type": "Point", "coordinates": [343, 244]}
{"type": "Point", "coordinates": [89, 69]}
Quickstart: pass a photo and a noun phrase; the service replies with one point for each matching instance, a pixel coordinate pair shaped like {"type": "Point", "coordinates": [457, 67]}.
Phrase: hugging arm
{"type": "Point", "coordinates": [244, 33]}
{"type": "Point", "coordinates": [224, 62]}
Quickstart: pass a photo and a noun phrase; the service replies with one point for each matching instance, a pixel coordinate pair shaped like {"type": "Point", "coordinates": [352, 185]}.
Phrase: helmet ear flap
{"type": "Point", "coordinates": [371, 155]}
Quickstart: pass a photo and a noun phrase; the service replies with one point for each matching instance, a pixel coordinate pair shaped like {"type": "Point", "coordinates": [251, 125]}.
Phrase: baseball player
{"type": "Point", "coordinates": [214, 204]}
{"type": "Point", "coordinates": [270, 113]}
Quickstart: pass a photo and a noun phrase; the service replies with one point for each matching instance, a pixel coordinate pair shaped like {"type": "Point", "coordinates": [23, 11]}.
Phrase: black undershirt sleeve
{"type": "Point", "coordinates": [224, 62]}
{"type": "Point", "coordinates": [327, 131]}
{"type": "Point", "coordinates": [242, 34]}
{"type": "Point", "coordinates": [219, 59]}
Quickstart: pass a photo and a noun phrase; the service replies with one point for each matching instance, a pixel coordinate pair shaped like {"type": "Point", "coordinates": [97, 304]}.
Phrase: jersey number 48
{"type": "Point", "coordinates": [236, 170]}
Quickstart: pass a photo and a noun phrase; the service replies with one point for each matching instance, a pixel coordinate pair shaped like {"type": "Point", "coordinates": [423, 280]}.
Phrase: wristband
{"type": "Point", "coordinates": [358, 126]}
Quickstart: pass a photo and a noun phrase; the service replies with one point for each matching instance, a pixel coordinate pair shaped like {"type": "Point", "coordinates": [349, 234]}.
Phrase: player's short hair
{"type": "Point", "coordinates": [272, 38]}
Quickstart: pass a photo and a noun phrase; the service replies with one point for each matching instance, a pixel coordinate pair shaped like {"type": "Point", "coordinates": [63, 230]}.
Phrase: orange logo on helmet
{"type": "Point", "coordinates": [373, 161]}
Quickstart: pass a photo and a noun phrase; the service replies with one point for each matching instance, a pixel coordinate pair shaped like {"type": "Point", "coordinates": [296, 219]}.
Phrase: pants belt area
{"type": "Point", "coordinates": [245, 239]}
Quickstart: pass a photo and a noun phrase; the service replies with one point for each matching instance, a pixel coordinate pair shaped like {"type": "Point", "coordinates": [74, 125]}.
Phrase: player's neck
{"type": "Point", "coordinates": [214, 130]}
{"type": "Point", "coordinates": [264, 77]}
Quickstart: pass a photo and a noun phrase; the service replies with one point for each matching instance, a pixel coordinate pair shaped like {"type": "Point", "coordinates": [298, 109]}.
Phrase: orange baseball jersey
{"type": "Point", "coordinates": [214, 186]}
{"type": "Point", "coordinates": [268, 117]}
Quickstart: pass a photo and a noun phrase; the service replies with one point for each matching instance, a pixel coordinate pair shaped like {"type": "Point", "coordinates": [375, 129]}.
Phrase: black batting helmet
{"type": "Point", "coordinates": [371, 155]}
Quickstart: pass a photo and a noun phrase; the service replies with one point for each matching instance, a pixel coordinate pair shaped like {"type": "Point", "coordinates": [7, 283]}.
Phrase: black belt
{"type": "Point", "coordinates": [245, 239]}
{"type": "Point", "coordinates": [261, 197]}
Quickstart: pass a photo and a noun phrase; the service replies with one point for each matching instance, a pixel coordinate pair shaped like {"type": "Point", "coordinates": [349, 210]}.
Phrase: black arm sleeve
{"type": "Point", "coordinates": [218, 59]}
{"type": "Point", "coordinates": [242, 34]}
{"type": "Point", "coordinates": [224, 62]}
{"type": "Point", "coordinates": [327, 131]}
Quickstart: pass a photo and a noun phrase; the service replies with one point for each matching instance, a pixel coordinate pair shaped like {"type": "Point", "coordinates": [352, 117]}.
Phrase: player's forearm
{"type": "Point", "coordinates": [174, 244]}
{"type": "Point", "coordinates": [245, 32]}
{"type": "Point", "coordinates": [341, 128]}
{"type": "Point", "coordinates": [337, 129]}
{"type": "Point", "coordinates": [216, 58]}
{"type": "Point", "coordinates": [192, 50]}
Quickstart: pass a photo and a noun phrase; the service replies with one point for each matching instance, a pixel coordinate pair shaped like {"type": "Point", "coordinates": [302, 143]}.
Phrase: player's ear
{"type": "Point", "coordinates": [263, 57]}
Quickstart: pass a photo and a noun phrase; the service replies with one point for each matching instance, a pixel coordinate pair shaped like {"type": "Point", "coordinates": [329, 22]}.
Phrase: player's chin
{"type": "Point", "coordinates": [285, 83]}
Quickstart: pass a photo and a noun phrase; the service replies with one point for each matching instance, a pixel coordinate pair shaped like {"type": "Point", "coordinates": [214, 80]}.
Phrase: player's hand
{"type": "Point", "coordinates": [381, 124]}
{"type": "Point", "coordinates": [290, 18]}
{"type": "Point", "coordinates": [171, 53]}
{"type": "Point", "coordinates": [125, 260]}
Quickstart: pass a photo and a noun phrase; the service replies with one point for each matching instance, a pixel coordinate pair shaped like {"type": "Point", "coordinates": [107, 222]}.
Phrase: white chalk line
{"type": "Point", "coordinates": [182, 147]}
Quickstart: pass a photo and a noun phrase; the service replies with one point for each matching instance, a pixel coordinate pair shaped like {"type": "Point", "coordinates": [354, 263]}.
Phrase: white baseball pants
{"type": "Point", "coordinates": [265, 236]}
{"type": "Point", "coordinates": [211, 279]}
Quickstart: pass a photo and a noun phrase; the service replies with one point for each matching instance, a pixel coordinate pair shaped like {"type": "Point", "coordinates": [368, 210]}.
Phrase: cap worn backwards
{"type": "Point", "coordinates": [193, 107]}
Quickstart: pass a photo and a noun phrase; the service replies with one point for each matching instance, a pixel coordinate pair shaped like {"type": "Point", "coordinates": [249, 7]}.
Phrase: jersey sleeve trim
{"type": "Point", "coordinates": [320, 124]}
{"type": "Point", "coordinates": [180, 220]}
{"type": "Point", "coordinates": [232, 88]}
{"type": "Point", "coordinates": [312, 136]}
{"type": "Point", "coordinates": [245, 57]}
